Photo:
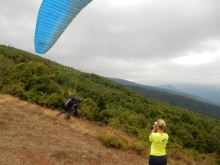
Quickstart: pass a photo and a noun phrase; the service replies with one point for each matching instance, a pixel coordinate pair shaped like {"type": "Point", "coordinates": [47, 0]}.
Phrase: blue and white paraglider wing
{"type": "Point", "coordinates": [54, 16]}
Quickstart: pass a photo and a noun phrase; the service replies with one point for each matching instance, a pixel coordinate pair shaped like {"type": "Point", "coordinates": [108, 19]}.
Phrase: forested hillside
{"type": "Point", "coordinates": [41, 81]}
{"type": "Point", "coordinates": [183, 100]}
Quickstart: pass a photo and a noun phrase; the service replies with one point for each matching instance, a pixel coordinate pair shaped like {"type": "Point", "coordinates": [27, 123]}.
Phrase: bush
{"type": "Point", "coordinates": [110, 140]}
{"type": "Point", "coordinates": [105, 115]}
{"type": "Point", "coordinates": [14, 90]}
{"type": "Point", "coordinates": [137, 146]}
{"type": "Point", "coordinates": [87, 113]}
{"type": "Point", "coordinates": [131, 130]}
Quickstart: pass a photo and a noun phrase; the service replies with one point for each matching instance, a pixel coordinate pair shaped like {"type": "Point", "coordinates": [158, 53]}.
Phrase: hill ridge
{"type": "Point", "coordinates": [191, 102]}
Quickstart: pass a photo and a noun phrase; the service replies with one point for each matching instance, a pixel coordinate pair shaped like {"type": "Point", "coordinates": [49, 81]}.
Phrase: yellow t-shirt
{"type": "Point", "coordinates": [158, 143]}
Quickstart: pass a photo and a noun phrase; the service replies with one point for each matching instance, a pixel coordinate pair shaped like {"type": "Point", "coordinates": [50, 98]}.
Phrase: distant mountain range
{"type": "Point", "coordinates": [208, 92]}
{"type": "Point", "coordinates": [180, 95]}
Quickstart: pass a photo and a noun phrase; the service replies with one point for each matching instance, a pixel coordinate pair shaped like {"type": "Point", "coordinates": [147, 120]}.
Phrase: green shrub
{"type": "Point", "coordinates": [14, 90]}
{"type": "Point", "coordinates": [87, 113]}
{"type": "Point", "coordinates": [137, 146]}
{"type": "Point", "coordinates": [110, 140]}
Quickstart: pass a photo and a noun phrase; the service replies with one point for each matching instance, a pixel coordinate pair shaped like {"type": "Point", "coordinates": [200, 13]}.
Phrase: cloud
{"type": "Point", "coordinates": [138, 40]}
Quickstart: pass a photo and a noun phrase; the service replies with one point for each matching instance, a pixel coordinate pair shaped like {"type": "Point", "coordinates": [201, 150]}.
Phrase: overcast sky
{"type": "Point", "coordinates": [145, 41]}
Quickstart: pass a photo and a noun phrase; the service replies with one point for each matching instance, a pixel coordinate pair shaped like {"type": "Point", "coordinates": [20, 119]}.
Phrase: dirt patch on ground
{"type": "Point", "coordinates": [33, 135]}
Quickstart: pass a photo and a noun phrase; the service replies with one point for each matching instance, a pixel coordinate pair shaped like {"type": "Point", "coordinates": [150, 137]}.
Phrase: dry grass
{"type": "Point", "coordinates": [33, 135]}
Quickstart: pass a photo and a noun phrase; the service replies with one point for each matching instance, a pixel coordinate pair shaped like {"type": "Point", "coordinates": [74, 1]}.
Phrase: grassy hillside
{"type": "Point", "coordinates": [35, 79]}
{"type": "Point", "coordinates": [32, 135]}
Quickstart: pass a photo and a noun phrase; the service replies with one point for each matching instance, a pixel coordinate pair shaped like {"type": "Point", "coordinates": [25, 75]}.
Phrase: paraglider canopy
{"type": "Point", "coordinates": [54, 16]}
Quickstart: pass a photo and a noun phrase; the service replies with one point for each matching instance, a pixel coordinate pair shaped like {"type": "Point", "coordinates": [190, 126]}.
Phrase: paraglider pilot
{"type": "Point", "coordinates": [72, 105]}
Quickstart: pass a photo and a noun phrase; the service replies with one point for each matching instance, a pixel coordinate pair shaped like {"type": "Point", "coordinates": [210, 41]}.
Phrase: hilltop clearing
{"type": "Point", "coordinates": [32, 135]}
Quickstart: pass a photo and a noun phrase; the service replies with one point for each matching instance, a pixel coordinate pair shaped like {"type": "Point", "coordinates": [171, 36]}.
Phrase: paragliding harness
{"type": "Point", "coordinates": [65, 103]}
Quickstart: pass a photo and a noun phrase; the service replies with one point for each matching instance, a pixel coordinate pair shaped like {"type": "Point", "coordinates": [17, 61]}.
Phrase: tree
{"type": "Point", "coordinates": [101, 103]}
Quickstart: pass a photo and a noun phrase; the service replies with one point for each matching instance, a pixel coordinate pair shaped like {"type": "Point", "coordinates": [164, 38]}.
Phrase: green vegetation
{"type": "Point", "coordinates": [181, 101]}
{"type": "Point", "coordinates": [38, 80]}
